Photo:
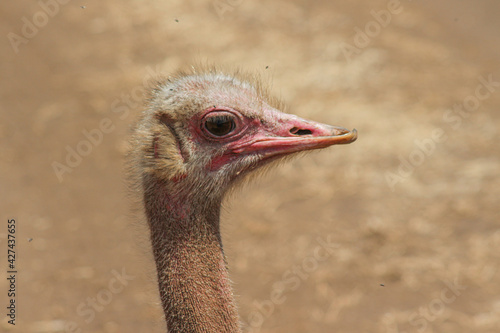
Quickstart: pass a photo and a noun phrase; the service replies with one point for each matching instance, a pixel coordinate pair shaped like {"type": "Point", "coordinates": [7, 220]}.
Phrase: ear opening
{"type": "Point", "coordinates": [168, 121]}
{"type": "Point", "coordinates": [161, 152]}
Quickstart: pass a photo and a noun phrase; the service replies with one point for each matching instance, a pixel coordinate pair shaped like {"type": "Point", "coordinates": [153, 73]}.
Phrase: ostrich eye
{"type": "Point", "coordinates": [220, 125]}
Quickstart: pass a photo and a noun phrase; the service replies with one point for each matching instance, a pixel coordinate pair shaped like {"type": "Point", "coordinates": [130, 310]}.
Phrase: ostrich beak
{"type": "Point", "coordinates": [292, 134]}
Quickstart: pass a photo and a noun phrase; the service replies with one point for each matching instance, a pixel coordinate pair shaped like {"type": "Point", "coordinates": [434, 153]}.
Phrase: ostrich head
{"type": "Point", "coordinates": [204, 131]}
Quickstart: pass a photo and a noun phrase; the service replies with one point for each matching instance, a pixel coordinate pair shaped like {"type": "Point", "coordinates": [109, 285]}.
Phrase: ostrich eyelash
{"type": "Point", "coordinates": [219, 118]}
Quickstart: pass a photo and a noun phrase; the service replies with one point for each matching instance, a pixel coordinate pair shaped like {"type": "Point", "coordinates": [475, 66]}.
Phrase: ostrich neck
{"type": "Point", "coordinates": [192, 275]}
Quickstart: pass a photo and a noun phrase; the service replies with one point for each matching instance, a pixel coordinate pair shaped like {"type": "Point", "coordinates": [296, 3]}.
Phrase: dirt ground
{"type": "Point", "coordinates": [397, 232]}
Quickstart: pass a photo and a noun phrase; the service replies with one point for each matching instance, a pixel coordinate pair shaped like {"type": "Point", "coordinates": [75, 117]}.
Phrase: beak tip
{"type": "Point", "coordinates": [351, 136]}
{"type": "Point", "coordinates": [354, 134]}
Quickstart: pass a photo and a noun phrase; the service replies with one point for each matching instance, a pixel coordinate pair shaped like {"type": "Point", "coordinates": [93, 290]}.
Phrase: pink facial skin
{"type": "Point", "coordinates": [277, 134]}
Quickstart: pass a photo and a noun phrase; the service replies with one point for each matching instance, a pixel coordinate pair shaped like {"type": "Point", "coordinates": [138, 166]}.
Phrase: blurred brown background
{"type": "Point", "coordinates": [409, 211]}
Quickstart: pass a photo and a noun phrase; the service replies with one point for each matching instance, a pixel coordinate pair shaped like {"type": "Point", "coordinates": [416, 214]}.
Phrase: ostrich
{"type": "Point", "coordinates": [202, 132]}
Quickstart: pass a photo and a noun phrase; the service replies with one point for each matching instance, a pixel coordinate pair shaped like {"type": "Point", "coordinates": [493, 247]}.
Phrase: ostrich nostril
{"type": "Point", "coordinates": [298, 131]}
